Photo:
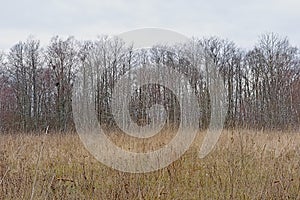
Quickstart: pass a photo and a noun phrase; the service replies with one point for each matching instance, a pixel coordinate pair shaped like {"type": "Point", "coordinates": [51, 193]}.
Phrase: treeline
{"type": "Point", "coordinates": [262, 84]}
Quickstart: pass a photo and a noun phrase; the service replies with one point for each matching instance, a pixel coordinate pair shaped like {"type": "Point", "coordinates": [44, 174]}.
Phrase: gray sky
{"type": "Point", "coordinates": [237, 20]}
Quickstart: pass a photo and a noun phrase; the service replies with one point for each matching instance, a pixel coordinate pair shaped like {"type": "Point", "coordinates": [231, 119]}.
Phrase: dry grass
{"type": "Point", "coordinates": [244, 165]}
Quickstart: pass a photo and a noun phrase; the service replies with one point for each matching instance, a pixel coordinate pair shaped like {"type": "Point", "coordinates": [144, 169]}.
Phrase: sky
{"type": "Point", "coordinates": [237, 20]}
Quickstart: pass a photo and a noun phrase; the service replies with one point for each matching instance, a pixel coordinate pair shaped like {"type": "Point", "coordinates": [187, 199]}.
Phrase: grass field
{"type": "Point", "coordinates": [244, 165]}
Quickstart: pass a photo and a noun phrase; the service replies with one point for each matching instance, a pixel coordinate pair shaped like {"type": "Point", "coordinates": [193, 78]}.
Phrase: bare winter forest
{"type": "Point", "coordinates": [256, 157]}
{"type": "Point", "coordinates": [262, 84]}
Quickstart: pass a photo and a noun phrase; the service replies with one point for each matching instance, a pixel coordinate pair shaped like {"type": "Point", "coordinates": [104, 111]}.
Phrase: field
{"type": "Point", "coordinates": [244, 165]}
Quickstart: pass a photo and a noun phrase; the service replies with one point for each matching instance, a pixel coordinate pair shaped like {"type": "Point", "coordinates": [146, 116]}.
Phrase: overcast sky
{"type": "Point", "coordinates": [237, 20]}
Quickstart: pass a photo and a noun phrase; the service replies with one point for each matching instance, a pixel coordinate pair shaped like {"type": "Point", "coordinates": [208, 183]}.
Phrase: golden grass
{"type": "Point", "coordinates": [244, 165]}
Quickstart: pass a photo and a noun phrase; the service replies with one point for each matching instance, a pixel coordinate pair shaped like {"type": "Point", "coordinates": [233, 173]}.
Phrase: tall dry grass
{"type": "Point", "coordinates": [244, 165]}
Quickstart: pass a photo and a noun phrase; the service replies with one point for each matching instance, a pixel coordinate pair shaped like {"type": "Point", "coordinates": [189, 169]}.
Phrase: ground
{"type": "Point", "coordinates": [244, 165]}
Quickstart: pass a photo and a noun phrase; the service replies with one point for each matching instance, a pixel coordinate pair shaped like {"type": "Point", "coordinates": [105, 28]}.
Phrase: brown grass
{"type": "Point", "coordinates": [244, 165]}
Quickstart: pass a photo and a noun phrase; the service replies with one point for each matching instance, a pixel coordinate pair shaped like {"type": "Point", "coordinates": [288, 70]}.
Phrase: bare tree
{"type": "Point", "coordinates": [61, 57]}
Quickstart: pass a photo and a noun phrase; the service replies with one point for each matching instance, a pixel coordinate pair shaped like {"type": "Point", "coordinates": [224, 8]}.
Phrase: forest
{"type": "Point", "coordinates": [262, 83]}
